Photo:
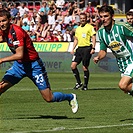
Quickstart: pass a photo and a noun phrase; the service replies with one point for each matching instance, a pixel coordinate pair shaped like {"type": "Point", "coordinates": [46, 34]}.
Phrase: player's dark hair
{"type": "Point", "coordinates": [5, 13]}
{"type": "Point", "coordinates": [106, 8]}
{"type": "Point", "coordinates": [129, 13]}
{"type": "Point", "coordinates": [83, 14]}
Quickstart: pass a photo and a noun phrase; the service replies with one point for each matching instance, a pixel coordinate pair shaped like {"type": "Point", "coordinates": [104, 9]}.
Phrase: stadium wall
{"type": "Point", "coordinates": [57, 58]}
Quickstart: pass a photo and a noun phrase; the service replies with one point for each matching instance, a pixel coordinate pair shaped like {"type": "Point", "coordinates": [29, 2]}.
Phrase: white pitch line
{"type": "Point", "coordinates": [76, 128]}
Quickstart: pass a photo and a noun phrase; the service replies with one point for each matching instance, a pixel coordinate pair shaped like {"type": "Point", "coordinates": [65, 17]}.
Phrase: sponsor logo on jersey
{"type": "Point", "coordinates": [115, 45]}
{"type": "Point", "coordinates": [16, 42]}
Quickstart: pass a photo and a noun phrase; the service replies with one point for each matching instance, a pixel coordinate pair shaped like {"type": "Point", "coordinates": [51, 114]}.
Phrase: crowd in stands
{"type": "Point", "coordinates": [54, 20]}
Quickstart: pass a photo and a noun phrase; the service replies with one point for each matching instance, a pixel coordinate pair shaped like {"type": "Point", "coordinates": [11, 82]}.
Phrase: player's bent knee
{"type": "Point", "coordinates": [47, 95]}
{"type": "Point", "coordinates": [4, 85]}
{"type": "Point", "coordinates": [123, 87]}
{"type": "Point", "coordinates": [47, 99]}
{"type": "Point", "coordinates": [73, 67]}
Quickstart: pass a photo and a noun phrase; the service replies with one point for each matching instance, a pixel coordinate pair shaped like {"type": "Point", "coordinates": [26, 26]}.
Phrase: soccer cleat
{"type": "Point", "coordinates": [74, 104]}
{"type": "Point", "coordinates": [130, 93]}
{"type": "Point", "coordinates": [77, 86]}
{"type": "Point", "coordinates": [84, 88]}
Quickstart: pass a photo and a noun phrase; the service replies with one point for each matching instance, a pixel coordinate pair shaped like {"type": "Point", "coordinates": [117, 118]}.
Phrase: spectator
{"type": "Point", "coordinates": [69, 26]}
{"type": "Point", "coordinates": [44, 8]}
{"type": "Point", "coordinates": [51, 18]}
{"type": "Point", "coordinates": [76, 10]}
{"type": "Point", "coordinates": [66, 6]}
{"type": "Point", "coordinates": [95, 21]}
{"type": "Point", "coordinates": [60, 18]}
{"type": "Point", "coordinates": [71, 8]}
{"type": "Point", "coordinates": [23, 9]}
{"type": "Point", "coordinates": [57, 26]}
{"type": "Point", "coordinates": [46, 28]}
{"type": "Point", "coordinates": [54, 8]}
{"type": "Point", "coordinates": [38, 31]}
{"type": "Point", "coordinates": [34, 17]}
{"type": "Point", "coordinates": [67, 18]}
{"type": "Point", "coordinates": [67, 36]}
{"type": "Point", "coordinates": [26, 18]}
{"type": "Point", "coordinates": [51, 2]}
{"type": "Point", "coordinates": [18, 20]}
{"type": "Point", "coordinates": [60, 4]}
{"type": "Point", "coordinates": [13, 10]}
{"type": "Point", "coordinates": [32, 26]}
{"type": "Point", "coordinates": [26, 27]}
{"type": "Point", "coordinates": [81, 4]}
{"type": "Point", "coordinates": [63, 29]}
{"type": "Point", "coordinates": [90, 9]}
{"type": "Point", "coordinates": [43, 17]}
{"type": "Point", "coordinates": [54, 37]}
{"type": "Point", "coordinates": [60, 36]}
{"type": "Point", "coordinates": [47, 38]}
{"type": "Point", "coordinates": [32, 35]}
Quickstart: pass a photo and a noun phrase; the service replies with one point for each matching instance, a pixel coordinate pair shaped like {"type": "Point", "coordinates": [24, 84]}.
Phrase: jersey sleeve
{"type": "Point", "coordinates": [76, 33]}
{"type": "Point", "coordinates": [93, 32]}
{"type": "Point", "coordinates": [101, 41]}
{"type": "Point", "coordinates": [20, 37]}
{"type": "Point", "coordinates": [128, 30]}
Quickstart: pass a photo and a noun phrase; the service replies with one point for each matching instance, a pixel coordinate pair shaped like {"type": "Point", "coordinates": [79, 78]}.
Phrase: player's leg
{"type": "Point", "coordinates": [126, 84]}
{"type": "Point", "coordinates": [86, 78]}
{"type": "Point", "coordinates": [86, 61]}
{"type": "Point", "coordinates": [4, 85]}
{"type": "Point", "coordinates": [11, 77]}
{"type": "Point", "coordinates": [75, 61]}
{"type": "Point", "coordinates": [48, 96]}
{"type": "Point", "coordinates": [40, 78]}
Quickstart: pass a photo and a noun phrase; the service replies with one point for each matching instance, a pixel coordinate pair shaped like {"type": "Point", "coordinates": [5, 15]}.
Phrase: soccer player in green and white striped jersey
{"type": "Point", "coordinates": [113, 35]}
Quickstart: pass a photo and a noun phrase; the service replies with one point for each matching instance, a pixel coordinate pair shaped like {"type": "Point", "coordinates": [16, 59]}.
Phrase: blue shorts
{"type": "Point", "coordinates": [35, 70]}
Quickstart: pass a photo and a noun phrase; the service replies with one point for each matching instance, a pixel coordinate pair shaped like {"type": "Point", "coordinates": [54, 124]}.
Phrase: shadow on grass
{"type": "Point", "coordinates": [130, 119]}
{"type": "Point", "coordinates": [104, 89]}
{"type": "Point", "coordinates": [49, 117]}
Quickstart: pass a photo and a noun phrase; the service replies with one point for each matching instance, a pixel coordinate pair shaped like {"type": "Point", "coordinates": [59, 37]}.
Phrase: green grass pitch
{"type": "Point", "coordinates": [104, 108]}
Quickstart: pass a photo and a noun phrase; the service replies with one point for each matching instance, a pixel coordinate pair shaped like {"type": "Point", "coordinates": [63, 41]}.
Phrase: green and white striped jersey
{"type": "Point", "coordinates": [117, 41]}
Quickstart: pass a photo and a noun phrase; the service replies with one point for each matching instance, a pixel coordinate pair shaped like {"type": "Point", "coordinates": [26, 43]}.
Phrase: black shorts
{"type": "Point", "coordinates": [82, 54]}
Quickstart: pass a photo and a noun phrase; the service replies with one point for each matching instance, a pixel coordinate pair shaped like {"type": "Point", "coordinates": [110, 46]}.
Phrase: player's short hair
{"type": "Point", "coordinates": [106, 8]}
{"type": "Point", "coordinates": [5, 13]}
{"type": "Point", "coordinates": [84, 14]}
{"type": "Point", "coordinates": [129, 13]}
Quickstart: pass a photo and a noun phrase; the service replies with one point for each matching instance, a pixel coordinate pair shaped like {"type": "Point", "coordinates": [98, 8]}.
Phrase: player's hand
{"type": "Point", "coordinates": [92, 51]}
{"type": "Point", "coordinates": [72, 52]}
{"type": "Point", "coordinates": [2, 82]}
{"type": "Point", "coordinates": [0, 61]}
{"type": "Point", "coordinates": [96, 59]}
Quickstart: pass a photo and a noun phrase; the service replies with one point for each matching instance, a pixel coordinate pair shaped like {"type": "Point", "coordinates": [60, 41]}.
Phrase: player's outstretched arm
{"type": "Point", "coordinates": [17, 56]}
{"type": "Point", "coordinates": [101, 55]}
